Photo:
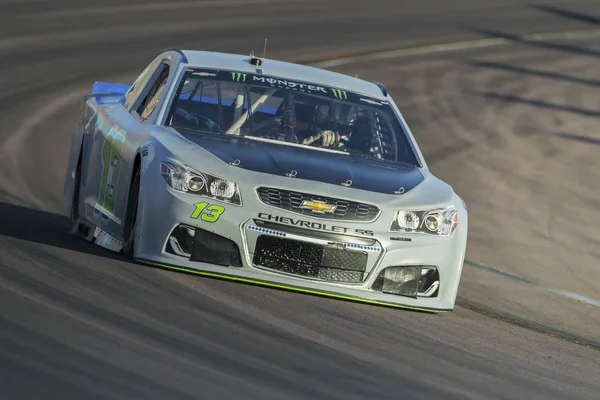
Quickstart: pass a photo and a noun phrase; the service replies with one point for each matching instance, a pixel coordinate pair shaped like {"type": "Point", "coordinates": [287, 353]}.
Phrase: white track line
{"type": "Point", "coordinates": [453, 46]}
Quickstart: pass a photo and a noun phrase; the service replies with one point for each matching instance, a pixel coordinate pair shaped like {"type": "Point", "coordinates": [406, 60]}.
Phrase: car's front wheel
{"type": "Point", "coordinates": [131, 216]}
{"type": "Point", "coordinates": [75, 195]}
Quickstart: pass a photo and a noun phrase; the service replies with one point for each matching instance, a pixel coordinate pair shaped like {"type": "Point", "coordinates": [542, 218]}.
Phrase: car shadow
{"type": "Point", "coordinates": [45, 228]}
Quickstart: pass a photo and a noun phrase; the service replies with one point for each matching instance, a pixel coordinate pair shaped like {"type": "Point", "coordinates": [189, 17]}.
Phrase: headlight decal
{"type": "Point", "coordinates": [223, 188]}
{"type": "Point", "coordinates": [440, 222]}
{"type": "Point", "coordinates": [187, 180]}
{"type": "Point", "coordinates": [408, 220]}
{"type": "Point", "coordinates": [173, 175]}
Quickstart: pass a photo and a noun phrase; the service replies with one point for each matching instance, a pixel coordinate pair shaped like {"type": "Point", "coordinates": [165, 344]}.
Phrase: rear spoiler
{"type": "Point", "coordinates": [106, 92]}
{"type": "Point", "coordinates": [117, 89]}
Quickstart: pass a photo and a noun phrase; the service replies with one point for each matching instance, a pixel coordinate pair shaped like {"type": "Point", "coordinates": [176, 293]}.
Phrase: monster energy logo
{"type": "Point", "coordinates": [284, 83]}
{"type": "Point", "coordinates": [340, 94]}
{"type": "Point", "coordinates": [237, 76]}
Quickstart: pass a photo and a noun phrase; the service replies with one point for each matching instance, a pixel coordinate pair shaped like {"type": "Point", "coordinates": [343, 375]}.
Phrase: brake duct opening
{"type": "Point", "coordinates": [411, 281]}
{"type": "Point", "coordinates": [201, 245]}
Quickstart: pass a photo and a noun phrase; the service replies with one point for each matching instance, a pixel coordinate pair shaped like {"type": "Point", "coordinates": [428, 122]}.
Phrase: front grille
{"type": "Point", "coordinates": [310, 259]}
{"type": "Point", "coordinates": [292, 201]}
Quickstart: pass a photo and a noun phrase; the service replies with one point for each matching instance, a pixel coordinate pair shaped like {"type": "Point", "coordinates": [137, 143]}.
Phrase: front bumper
{"type": "Point", "coordinates": [333, 260]}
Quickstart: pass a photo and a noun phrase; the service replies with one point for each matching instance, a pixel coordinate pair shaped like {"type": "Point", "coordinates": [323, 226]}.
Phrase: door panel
{"type": "Point", "coordinates": [113, 136]}
{"type": "Point", "coordinates": [99, 191]}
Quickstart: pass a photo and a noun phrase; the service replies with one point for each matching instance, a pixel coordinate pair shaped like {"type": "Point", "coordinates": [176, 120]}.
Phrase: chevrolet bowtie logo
{"type": "Point", "coordinates": [318, 207]}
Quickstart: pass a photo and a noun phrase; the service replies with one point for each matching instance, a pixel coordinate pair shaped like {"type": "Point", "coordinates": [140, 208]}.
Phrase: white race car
{"type": "Point", "coordinates": [266, 172]}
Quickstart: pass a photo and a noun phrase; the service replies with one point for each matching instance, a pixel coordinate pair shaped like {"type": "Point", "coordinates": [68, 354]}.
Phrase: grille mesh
{"type": "Point", "coordinates": [310, 259]}
{"type": "Point", "coordinates": [292, 201]}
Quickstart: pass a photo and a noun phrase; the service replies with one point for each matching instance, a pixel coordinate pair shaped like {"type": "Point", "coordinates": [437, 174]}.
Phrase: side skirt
{"type": "Point", "coordinates": [91, 233]}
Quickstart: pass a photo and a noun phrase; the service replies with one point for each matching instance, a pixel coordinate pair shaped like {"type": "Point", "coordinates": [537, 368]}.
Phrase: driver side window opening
{"type": "Point", "coordinates": [140, 83]}
{"type": "Point", "coordinates": [150, 101]}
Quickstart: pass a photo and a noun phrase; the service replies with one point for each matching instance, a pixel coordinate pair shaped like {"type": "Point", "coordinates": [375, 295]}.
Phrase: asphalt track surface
{"type": "Point", "coordinates": [513, 128]}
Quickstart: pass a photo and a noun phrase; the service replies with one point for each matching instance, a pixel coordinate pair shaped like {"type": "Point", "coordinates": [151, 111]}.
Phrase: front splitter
{"type": "Point", "coordinates": [289, 287]}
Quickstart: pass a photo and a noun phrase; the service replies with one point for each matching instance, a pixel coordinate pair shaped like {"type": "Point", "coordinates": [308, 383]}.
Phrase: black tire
{"type": "Point", "coordinates": [75, 195]}
{"type": "Point", "coordinates": [131, 216]}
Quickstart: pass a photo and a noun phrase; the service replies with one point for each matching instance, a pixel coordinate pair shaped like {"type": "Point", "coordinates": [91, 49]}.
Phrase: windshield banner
{"type": "Point", "coordinates": [278, 83]}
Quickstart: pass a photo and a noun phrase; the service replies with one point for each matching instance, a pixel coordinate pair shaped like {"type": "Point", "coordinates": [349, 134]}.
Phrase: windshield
{"type": "Point", "coordinates": [291, 112]}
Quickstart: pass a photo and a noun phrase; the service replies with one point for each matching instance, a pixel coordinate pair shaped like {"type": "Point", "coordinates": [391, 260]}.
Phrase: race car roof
{"type": "Point", "coordinates": [284, 70]}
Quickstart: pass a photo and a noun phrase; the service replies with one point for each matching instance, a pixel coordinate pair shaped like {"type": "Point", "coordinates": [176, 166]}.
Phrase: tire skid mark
{"type": "Point", "coordinates": [528, 324]}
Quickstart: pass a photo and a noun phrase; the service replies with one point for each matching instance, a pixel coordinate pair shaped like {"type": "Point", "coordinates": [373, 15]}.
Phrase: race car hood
{"type": "Point", "coordinates": [310, 164]}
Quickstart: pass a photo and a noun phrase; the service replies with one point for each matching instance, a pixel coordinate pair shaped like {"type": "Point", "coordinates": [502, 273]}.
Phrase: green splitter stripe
{"type": "Point", "coordinates": [287, 287]}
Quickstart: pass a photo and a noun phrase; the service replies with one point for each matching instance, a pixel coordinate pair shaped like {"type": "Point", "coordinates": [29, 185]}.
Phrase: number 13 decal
{"type": "Point", "coordinates": [206, 212]}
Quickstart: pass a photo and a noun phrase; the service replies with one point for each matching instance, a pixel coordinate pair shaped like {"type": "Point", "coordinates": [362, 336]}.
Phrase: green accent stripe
{"type": "Point", "coordinates": [287, 287]}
